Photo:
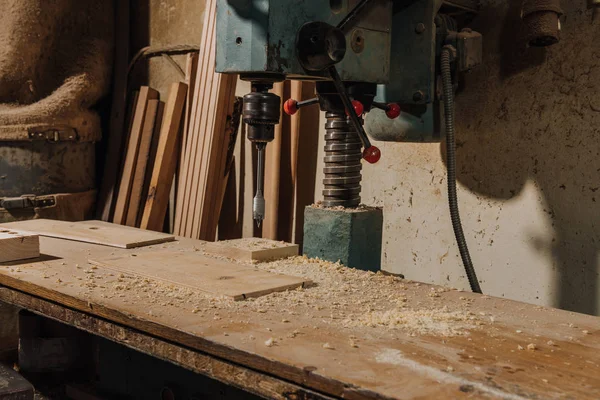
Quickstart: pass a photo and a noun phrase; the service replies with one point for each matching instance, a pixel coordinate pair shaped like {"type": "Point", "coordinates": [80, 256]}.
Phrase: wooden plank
{"type": "Point", "coordinates": [124, 194]}
{"type": "Point", "coordinates": [139, 176]}
{"type": "Point", "coordinates": [108, 188]}
{"type": "Point", "coordinates": [231, 374]}
{"type": "Point", "coordinates": [273, 171]}
{"type": "Point", "coordinates": [306, 175]}
{"type": "Point", "coordinates": [16, 245]}
{"type": "Point", "coordinates": [91, 232]}
{"type": "Point", "coordinates": [151, 159]}
{"type": "Point", "coordinates": [252, 249]}
{"type": "Point", "coordinates": [390, 362]}
{"type": "Point", "coordinates": [197, 272]}
{"type": "Point", "coordinates": [164, 166]}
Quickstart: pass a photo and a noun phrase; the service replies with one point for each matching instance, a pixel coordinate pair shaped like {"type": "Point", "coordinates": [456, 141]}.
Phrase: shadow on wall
{"type": "Point", "coordinates": [534, 114]}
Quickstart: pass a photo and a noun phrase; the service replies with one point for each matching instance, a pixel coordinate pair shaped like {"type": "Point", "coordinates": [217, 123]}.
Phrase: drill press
{"type": "Point", "coordinates": [363, 55]}
{"type": "Point", "coordinates": [269, 41]}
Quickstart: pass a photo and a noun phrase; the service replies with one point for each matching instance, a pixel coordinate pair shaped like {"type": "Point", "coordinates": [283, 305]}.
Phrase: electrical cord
{"type": "Point", "coordinates": [451, 165]}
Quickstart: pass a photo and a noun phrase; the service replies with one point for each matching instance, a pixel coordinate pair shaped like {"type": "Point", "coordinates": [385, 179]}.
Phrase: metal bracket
{"type": "Point", "coordinates": [62, 134]}
{"type": "Point", "coordinates": [27, 201]}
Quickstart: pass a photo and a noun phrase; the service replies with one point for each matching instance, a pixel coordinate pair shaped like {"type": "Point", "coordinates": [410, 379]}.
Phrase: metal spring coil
{"type": "Point", "coordinates": [342, 162]}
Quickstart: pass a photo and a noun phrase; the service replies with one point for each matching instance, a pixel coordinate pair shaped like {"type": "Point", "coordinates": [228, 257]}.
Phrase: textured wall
{"type": "Point", "coordinates": [164, 23]}
{"type": "Point", "coordinates": [528, 165]}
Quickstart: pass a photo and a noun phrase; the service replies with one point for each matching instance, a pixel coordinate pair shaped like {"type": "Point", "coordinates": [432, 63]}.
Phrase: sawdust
{"type": "Point", "coordinates": [437, 322]}
{"type": "Point", "coordinates": [336, 300]}
{"type": "Point", "coordinates": [253, 244]}
{"type": "Point", "coordinates": [360, 208]}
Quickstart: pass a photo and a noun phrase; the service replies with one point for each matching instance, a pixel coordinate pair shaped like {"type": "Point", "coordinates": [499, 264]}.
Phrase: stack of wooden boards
{"type": "Point", "coordinates": [202, 169]}
{"type": "Point", "coordinates": [191, 132]}
{"type": "Point", "coordinates": [150, 158]}
{"type": "Point", "coordinates": [191, 138]}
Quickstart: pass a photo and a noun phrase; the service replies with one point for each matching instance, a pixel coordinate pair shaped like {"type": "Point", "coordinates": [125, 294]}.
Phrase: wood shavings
{"type": "Point", "coordinates": [440, 322]}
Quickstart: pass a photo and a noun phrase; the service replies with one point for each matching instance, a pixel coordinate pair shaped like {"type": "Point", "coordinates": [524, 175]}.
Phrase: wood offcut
{"type": "Point", "coordinates": [252, 249]}
{"type": "Point", "coordinates": [16, 245]}
{"type": "Point", "coordinates": [195, 271]}
{"type": "Point", "coordinates": [97, 232]}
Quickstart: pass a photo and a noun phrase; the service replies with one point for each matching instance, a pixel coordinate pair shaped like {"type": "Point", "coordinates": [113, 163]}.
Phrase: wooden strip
{"type": "Point", "coordinates": [305, 177]}
{"type": "Point", "coordinates": [198, 362]}
{"type": "Point", "coordinates": [252, 249]}
{"type": "Point", "coordinates": [16, 245]}
{"type": "Point", "coordinates": [139, 176]}
{"type": "Point", "coordinates": [109, 185]}
{"type": "Point", "coordinates": [273, 172]}
{"type": "Point", "coordinates": [164, 167]}
{"type": "Point", "coordinates": [198, 272]}
{"type": "Point", "coordinates": [133, 146]}
{"type": "Point", "coordinates": [87, 231]}
{"type": "Point", "coordinates": [151, 160]}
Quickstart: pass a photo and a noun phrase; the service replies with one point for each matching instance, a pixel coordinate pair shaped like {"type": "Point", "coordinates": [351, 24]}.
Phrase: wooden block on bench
{"type": "Point", "coordinates": [16, 245]}
{"type": "Point", "coordinates": [252, 249]}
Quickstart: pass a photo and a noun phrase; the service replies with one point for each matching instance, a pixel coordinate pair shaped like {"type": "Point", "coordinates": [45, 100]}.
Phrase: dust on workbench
{"type": "Point", "coordinates": [253, 243]}
{"type": "Point", "coordinates": [337, 299]}
{"type": "Point", "coordinates": [360, 208]}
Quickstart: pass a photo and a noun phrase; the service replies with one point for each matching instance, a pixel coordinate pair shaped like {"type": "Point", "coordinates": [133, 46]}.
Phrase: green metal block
{"type": "Point", "coordinates": [351, 236]}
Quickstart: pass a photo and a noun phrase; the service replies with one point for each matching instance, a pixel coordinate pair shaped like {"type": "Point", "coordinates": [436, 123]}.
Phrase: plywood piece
{"type": "Point", "coordinates": [139, 175]}
{"type": "Point", "coordinates": [16, 245]}
{"type": "Point", "coordinates": [165, 163]}
{"type": "Point", "coordinates": [91, 232]}
{"type": "Point", "coordinates": [195, 271]}
{"type": "Point", "coordinates": [252, 249]}
{"type": "Point", "coordinates": [133, 146]}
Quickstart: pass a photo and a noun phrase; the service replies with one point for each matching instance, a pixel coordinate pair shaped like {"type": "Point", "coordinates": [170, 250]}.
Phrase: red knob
{"type": "Point", "coordinates": [393, 111]}
{"type": "Point", "coordinates": [358, 107]}
{"type": "Point", "coordinates": [290, 107]}
{"type": "Point", "coordinates": [372, 154]}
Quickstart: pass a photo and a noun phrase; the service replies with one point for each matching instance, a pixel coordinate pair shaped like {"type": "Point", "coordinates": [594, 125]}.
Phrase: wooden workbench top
{"type": "Point", "coordinates": [354, 334]}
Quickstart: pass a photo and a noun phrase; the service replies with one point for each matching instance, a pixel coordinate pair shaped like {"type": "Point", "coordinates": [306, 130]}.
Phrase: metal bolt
{"type": "Point", "coordinates": [420, 28]}
{"type": "Point", "coordinates": [418, 96]}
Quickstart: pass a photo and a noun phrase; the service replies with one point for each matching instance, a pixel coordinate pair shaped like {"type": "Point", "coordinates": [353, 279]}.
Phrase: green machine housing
{"type": "Point", "coordinates": [395, 44]}
{"type": "Point", "coordinates": [260, 37]}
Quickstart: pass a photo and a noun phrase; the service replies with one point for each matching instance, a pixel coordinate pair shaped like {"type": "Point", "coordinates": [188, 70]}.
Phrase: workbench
{"type": "Point", "coordinates": [353, 334]}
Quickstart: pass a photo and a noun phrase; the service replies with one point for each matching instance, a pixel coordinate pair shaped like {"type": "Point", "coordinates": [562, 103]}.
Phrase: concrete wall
{"type": "Point", "coordinates": [163, 23]}
{"type": "Point", "coordinates": [529, 170]}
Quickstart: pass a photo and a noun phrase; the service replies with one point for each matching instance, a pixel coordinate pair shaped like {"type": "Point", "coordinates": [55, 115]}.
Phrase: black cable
{"type": "Point", "coordinates": [451, 165]}
{"type": "Point", "coordinates": [346, 23]}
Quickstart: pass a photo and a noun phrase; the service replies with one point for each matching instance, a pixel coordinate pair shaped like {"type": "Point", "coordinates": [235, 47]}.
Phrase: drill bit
{"type": "Point", "coordinates": [258, 209]}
